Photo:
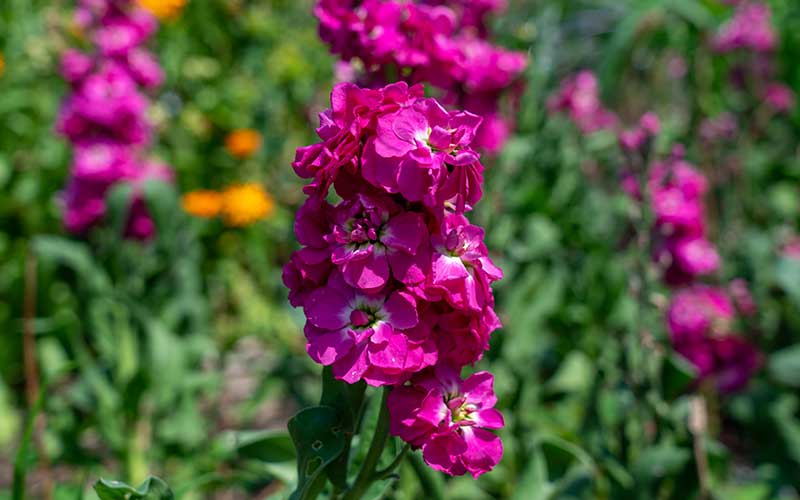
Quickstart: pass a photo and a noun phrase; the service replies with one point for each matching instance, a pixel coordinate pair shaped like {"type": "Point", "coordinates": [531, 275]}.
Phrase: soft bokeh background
{"type": "Point", "coordinates": [150, 358]}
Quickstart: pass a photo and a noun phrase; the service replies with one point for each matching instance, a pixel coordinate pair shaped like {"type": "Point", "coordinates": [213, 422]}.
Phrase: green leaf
{"type": "Point", "coordinates": [119, 203]}
{"type": "Point", "coordinates": [347, 399]}
{"type": "Point", "coordinates": [76, 256]}
{"type": "Point", "coordinates": [784, 365]}
{"type": "Point", "coordinates": [660, 461]}
{"type": "Point", "coordinates": [676, 375]}
{"type": "Point", "coordinates": [787, 274]}
{"type": "Point", "coordinates": [265, 446]}
{"type": "Point", "coordinates": [319, 440]}
{"type": "Point", "coordinates": [152, 489]}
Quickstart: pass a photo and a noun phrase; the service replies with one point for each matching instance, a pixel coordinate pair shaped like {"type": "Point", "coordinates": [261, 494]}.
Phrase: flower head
{"type": "Point", "coordinates": [449, 419]}
{"type": "Point", "coordinates": [202, 203]}
{"type": "Point", "coordinates": [750, 29]}
{"type": "Point", "coordinates": [243, 143]}
{"type": "Point", "coordinates": [244, 204]}
{"type": "Point", "coordinates": [393, 279]}
{"type": "Point", "coordinates": [163, 9]}
{"type": "Point", "coordinates": [579, 97]}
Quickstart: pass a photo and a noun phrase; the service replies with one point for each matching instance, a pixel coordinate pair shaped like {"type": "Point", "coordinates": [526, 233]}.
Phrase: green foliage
{"type": "Point", "coordinates": [150, 354]}
{"type": "Point", "coordinates": [152, 489]}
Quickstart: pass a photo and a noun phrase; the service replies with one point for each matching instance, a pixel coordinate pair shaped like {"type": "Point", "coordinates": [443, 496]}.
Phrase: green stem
{"type": "Point", "coordinates": [366, 476]}
{"type": "Point", "coordinates": [431, 484]}
{"type": "Point", "coordinates": [22, 461]}
{"type": "Point", "coordinates": [385, 473]}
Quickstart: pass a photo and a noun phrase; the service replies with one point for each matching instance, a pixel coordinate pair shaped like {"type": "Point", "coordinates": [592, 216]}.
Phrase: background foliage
{"type": "Point", "coordinates": [153, 358]}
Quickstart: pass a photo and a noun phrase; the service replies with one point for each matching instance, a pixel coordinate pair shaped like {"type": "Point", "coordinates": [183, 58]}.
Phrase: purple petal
{"type": "Point", "coordinates": [401, 309]}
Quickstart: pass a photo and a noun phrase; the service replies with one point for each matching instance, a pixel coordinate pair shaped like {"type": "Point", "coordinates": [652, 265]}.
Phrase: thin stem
{"type": "Point", "coordinates": [32, 380]}
{"type": "Point", "coordinates": [431, 484]}
{"type": "Point", "coordinates": [366, 476]}
{"type": "Point", "coordinates": [385, 473]}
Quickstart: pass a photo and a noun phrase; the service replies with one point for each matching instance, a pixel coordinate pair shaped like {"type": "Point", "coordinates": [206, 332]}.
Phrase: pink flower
{"type": "Point", "coordinates": [394, 279]}
{"type": "Point", "coordinates": [75, 65]}
{"type": "Point", "coordinates": [729, 361]}
{"type": "Point", "coordinates": [103, 162]}
{"type": "Point", "coordinates": [448, 418]}
{"type": "Point", "coordinates": [461, 270]}
{"type": "Point", "coordinates": [433, 41]}
{"type": "Point", "coordinates": [740, 292]}
{"type": "Point", "coordinates": [676, 189]}
{"type": "Point", "coordinates": [105, 115]}
{"type": "Point", "coordinates": [372, 337]}
{"type": "Point", "coordinates": [429, 149]}
{"type": "Point", "coordinates": [144, 68]}
{"type": "Point", "coordinates": [463, 336]}
{"type": "Point", "coordinates": [692, 257]}
{"type": "Point", "coordinates": [697, 312]}
{"type": "Point", "coordinates": [634, 139]}
{"type": "Point", "coordinates": [779, 97]}
{"type": "Point", "coordinates": [579, 97]}
{"type": "Point", "coordinates": [370, 236]}
{"type": "Point", "coordinates": [749, 29]}
{"type": "Point", "coordinates": [721, 127]}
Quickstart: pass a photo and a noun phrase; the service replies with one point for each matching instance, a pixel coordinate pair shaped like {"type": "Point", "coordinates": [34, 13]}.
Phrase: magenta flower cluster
{"type": "Point", "coordinates": [441, 42]}
{"type": "Point", "coordinates": [750, 30]}
{"type": "Point", "coordinates": [105, 115]}
{"type": "Point", "coordinates": [393, 279]}
{"type": "Point", "coordinates": [701, 318]}
{"type": "Point", "coordinates": [579, 98]}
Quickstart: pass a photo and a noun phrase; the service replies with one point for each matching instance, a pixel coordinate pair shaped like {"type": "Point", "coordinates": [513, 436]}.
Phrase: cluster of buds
{"type": "Point", "coordinates": [441, 42]}
{"type": "Point", "coordinates": [105, 115]}
{"type": "Point", "coordinates": [393, 279]}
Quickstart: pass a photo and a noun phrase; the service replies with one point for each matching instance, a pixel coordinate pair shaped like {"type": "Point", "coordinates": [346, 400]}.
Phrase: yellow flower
{"type": "Point", "coordinates": [243, 142]}
{"type": "Point", "coordinates": [244, 204]}
{"type": "Point", "coordinates": [163, 9]}
{"type": "Point", "coordinates": [202, 203]}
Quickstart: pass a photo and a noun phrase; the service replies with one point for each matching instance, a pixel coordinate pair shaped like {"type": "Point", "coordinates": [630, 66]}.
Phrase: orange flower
{"type": "Point", "coordinates": [163, 9]}
{"type": "Point", "coordinates": [244, 204]}
{"type": "Point", "coordinates": [2, 65]}
{"type": "Point", "coordinates": [202, 203]}
{"type": "Point", "coordinates": [243, 143]}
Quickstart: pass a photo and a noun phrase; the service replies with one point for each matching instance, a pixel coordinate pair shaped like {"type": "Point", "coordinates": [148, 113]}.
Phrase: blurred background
{"type": "Point", "coordinates": [119, 359]}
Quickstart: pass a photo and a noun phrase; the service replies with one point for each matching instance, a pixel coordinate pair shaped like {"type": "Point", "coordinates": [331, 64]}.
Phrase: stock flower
{"type": "Point", "coordinates": [163, 9]}
{"type": "Point", "coordinates": [244, 204]}
{"type": "Point", "coordinates": [393, 279]}
{"type": "Point", "coordinates": [700, 320]}
{"type": "Point", "coordinates": [750, 29]}
{"type": "Point", "coordinates": [370, 236]}
{"type": "Point", "coordinates": [202, 203]}
{"type": "Point", "coordinates": [441, 42]}
{"type": "Point", "coordinates": [372, 337]}
{"type": "Point", "coordinates": [728, 361]}
{"type": "Point", "coordinates": [448, 418]}
{"type": "Point", "coordinates": [243, 143]}
{"type": "Point", "coordinates": [105, 115]}
{"type": "Point", "coordinates": [779, 97]}
{"type": "Point", "coordinates": [676, 191]}
{"type": "Point", "coordinates": [579, 97]}
{"type": "Point", "coordinates": [634, 139]}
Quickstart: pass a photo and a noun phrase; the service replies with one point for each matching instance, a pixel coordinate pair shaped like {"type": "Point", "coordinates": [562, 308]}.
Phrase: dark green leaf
{"type": "Point", "coordinates": [152, 489]}
{"type": "Point", "coordinates": [319, 440]}
{"type": "Point", "coordinates": [265, 446]}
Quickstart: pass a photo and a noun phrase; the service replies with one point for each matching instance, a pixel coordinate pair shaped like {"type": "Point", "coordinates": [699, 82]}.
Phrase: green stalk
{"type": "Point", "coordinates": [366, 476]}
{"type": "Point", "coordinates": [431, 484]}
